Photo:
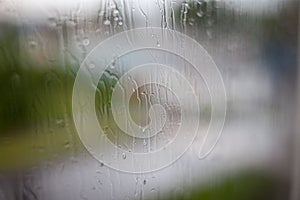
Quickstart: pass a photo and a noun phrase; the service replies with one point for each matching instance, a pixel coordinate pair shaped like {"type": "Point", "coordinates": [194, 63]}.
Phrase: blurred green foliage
{"type": "Point", "coordinates": [29, 94]}
{"type": "Point", "coordinates": [240, 186]}
{"type": "Point", "coordinates": [36, 103]}
{"type": "Point", "coordinates": [32, 95]}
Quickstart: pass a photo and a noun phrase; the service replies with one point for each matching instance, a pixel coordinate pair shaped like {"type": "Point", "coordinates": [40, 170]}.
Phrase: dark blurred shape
{"type": "Point", "coordinates": [242, 186]}
{"type": "Point", "coordinates": [280, 46]}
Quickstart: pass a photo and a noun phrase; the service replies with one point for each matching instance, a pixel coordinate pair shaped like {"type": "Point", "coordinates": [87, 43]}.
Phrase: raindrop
{"type": "Point", "coordinates": [115, 12]}
{"type": "Point", "coordinates": [106, 22]}
{"type": "Point", "coordinates": [124, 156]}
{"type": "Point", "coordinates": [200, 13]}
{"type": "Point", "coordinates": [92, 66]}
{"type": "Point", "coordinates": [86, 41]}
{"type": "Point", "coordinates": [33, 44]}
{"type": "Point", "coordinates": [209, 34]}
{"type": "Point", "coordinates": [113, 65]}
{"type": "Point", "coordinates": [144, 129]}
{"type": "Point", "coordinates": [60, 122]}
{"type": "Point", "coordinates": [112, 5]}
{"type": "Point", "coordinates": [210, 22]}
{"type": "Point", "coordinates": [191, 21]}
{"type": "Point", "coordinates": [52, 21]}
{"type": "Point", "coordinates": [67, 145]}
{"type": "Point", "coordinates": [101, 13]}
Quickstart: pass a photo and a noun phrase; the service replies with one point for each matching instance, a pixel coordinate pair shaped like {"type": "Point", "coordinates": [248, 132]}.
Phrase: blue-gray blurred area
{"type": "Point", "coordinates": [280, 48]}
{"type": "Point", "coordinates": [255, 47]}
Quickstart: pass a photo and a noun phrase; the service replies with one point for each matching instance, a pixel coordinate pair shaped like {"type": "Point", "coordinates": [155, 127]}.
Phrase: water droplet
{"type": "Point", "coordinates": [60, 122]}
{"type": "Point", "coordinates": [209, 34]}
{"type": "Point", "coordinates": [191, 21]}
{"type": "Point", "coordinates": [106, 22]}
{"type": "Point", "coordinates": [33, 44]}
{"type": "Point", "coordinates": [120, 23]}
{"type": "Point", "coordinates": [115, 12]}
{"type": "Point", "coordinates": [101, 13]}
{"type": "Point", "coordinates": [200, 13]}
{"type": "Point", "coordinates": [112, 5]}
{"type": "Point", "coordinates": [67, 144]}
{"type": "Point", "coordinates": [86, 42]}
{"type": "Point", "coordinates": [144, 181]}
{"type": "Point", "coordinates": [210, 22]}
{"type": "Point", "coordinates": [52, 21]}
{"type": "Point", "coordinates": [144, 129]}
{"type": "Point", "coordinates": [124, 156]}
{"type": "Point", "coordinates": [113, 65]}
{"type": "Point", "coordinates": [92, 66]}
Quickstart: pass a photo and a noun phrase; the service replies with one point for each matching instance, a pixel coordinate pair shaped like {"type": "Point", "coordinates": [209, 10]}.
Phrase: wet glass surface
{"type": "Point", "coordinates": [49, 150]}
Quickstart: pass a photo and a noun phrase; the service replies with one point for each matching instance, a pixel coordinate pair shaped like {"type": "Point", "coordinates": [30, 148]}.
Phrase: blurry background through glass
{"type": "Point", "coordinates": [42, 44]}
